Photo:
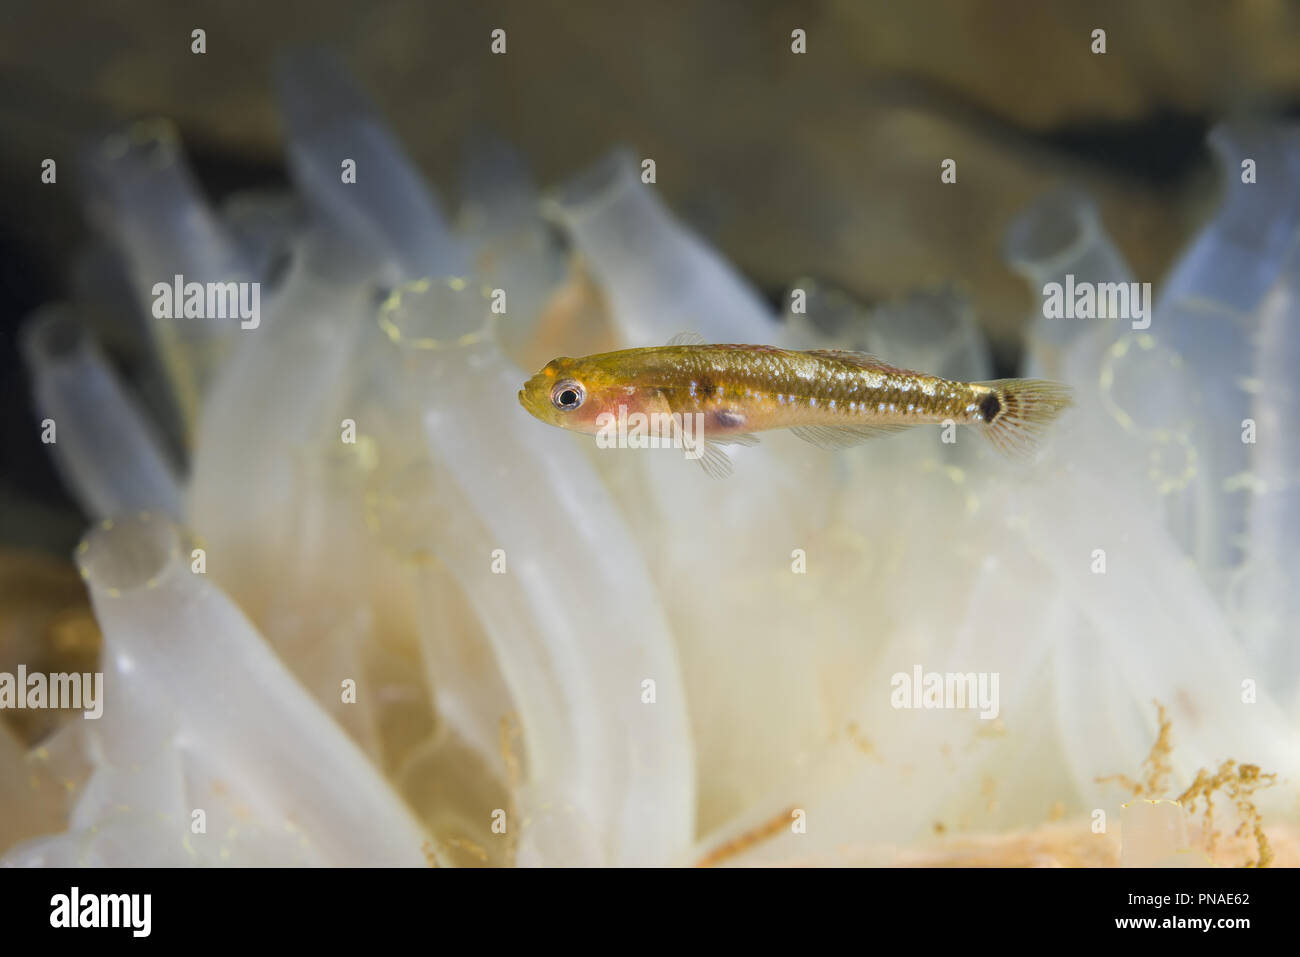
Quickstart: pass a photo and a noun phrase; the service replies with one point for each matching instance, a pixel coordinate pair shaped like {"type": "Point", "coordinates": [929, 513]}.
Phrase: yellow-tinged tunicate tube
{"type": "Point", "coordinates": [661, 279]}
{"type": "Point", "coordinates": [609, 754]}
{"type": "Point", "coordinates": [146, 199]}
{"type": "Point", "coordinates": [194, 656]}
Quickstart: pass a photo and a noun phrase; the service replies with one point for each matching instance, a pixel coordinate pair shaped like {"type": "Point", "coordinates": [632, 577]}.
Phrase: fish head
{"type": "Point", "coordinates": [574, 394]}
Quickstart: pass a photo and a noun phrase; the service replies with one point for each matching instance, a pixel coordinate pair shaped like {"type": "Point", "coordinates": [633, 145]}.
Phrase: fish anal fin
{"type": "Point", "coordinates": [842, 437]}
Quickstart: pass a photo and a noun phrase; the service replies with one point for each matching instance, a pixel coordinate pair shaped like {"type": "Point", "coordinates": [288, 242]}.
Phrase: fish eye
{"type": "Point", "coordinates": [568, 395]}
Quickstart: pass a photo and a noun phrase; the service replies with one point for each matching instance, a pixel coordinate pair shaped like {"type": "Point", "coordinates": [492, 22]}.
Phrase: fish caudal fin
{"type": "Point", "coordinates": [1019, 412]}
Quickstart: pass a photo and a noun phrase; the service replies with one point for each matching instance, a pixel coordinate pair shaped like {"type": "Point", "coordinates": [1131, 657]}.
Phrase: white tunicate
{"type": "Point", "coordinates": [106, 449]}
{"type": "Point", "coordinates": [198, 666]}
{"type": "Point", "coordinates": [1059, 240]}
{"type": "Point", "coordinates": [144, 198]}
{"type": "Point", "coordinates": [1272, 604]}
{"type": "Point", "coordinates": [513, 249]}
{"type": "Point", "coordinates": [386, 217]}
{"type": "Point", "coordinates": [661, 279]}
{"type": "Point", "coordinates": [278, 394]}
{"type": "Point", "coordinates": [587, 625]}
{"type": "Point", "coordinates": [408, 623]}
{"type": "Point", "coordinates": [1208, 314]}
{"type": "Point", "coordinates": [1235, 258]}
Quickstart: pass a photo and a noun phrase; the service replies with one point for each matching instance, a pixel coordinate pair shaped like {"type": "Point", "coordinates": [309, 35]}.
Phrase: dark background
{"type": "Point", "coordinates": [825, 164]}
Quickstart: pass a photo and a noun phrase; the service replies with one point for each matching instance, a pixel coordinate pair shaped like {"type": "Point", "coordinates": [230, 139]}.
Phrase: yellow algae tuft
{"type": "Point", "coordinates": [1157, 767]}
{"type": "Point", "coordinates": [1237, 782]}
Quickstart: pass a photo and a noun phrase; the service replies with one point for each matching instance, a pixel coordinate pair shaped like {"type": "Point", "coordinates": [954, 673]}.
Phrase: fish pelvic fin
{"type": "Point", "coordinates": [1018, 414]}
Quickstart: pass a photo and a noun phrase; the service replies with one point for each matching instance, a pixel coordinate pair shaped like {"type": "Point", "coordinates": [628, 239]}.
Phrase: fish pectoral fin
{"type": "Point", "coordinates": [686, 339]}
{"type": "Point", "coordinates": [738, 438]}
{"type": "Point", "coordinates": [715, 462]}
{"type": "Point", "coordinates": [863, 360]}
{"type": "Point", "coordinates": [842, 437]}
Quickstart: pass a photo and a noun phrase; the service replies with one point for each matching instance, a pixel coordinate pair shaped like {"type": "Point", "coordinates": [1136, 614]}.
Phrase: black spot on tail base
{"type": "Point", "coordinates": [990, 406]}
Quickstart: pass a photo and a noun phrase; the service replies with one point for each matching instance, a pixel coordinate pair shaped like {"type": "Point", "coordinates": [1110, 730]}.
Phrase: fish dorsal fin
{"type": "Point", "coordinates": [842, 437]}
{"type": "Point", "coordinates": [863, 360]}
{"type": "Point", "coordinates": [686, 339]}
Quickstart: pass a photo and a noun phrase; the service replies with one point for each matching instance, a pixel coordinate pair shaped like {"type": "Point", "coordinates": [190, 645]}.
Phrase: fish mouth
{"type": "Point", "coordinates": [531, 395]}
{"type": "Point", "coordinates": [528, 400]}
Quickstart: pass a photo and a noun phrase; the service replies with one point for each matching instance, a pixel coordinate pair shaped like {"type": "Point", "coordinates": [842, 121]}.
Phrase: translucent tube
{"type": "Point", "coordinates": [1059, 239]}
{"type": "Point", "coordinates": [418, 515]}
{"type": "Point", "coordinates": [1126, 577]}
{"type": "Point", "coordinates": [574, 620]}
{"type": "Point", "coordinates": [931, 328]}
{"type": "Point", "coordinates": [1151, 433]}
{"type": "Point", "coordinates": [142, 194]}
{"type": "Point", "coordinates": [1212, 367]}
{"type": "Point", "coordinates": [661, 279]}
{"type": "Point", "coordinates": [341, 604]}
{"type": "Point", "coordinates": [106, 451]}
{"type": "Point", "coordinates": [516, 252]}
{"type": "Point", "coordinates": [1207, 315]}
{"type": "Point", "coordinates": [266, 224]}
{"type": "Point", "coordinates": [1131, 407]}
{"type": "Point", "coordinates": [1270, 603]}
{"type": "Point", "coordinates": [1235, 259]}
{"type": "Point", "coordinates": [931, 765]}
{"type": "Point", "coordinates": [198, 658]}
{"type": "Point", "coordinates": [934, 330]}
{"type": "Point", "coordinates": [278, 394]}
{"type": "Point", "coordinates": [497, 190]}
{"type": "Point", "coordinates": [380, 211]}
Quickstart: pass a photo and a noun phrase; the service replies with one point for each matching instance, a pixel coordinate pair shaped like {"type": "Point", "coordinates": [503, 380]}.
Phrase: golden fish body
{"type": "Point", "coordinates": [832, 399]}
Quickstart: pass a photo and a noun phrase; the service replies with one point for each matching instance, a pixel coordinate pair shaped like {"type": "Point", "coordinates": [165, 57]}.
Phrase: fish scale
{"type": "Point", "coordinates": [775, 388]}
